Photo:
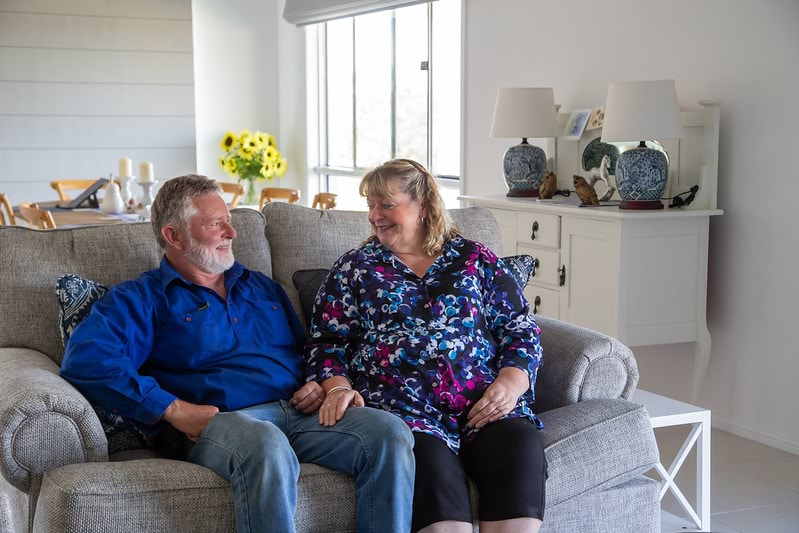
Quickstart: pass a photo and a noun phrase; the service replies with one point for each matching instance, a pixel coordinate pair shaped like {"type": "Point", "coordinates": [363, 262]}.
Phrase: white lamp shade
{"type": "Point", "coordinates": [525, 112]}
{"type": "Point", "coordinates": [641, 111]}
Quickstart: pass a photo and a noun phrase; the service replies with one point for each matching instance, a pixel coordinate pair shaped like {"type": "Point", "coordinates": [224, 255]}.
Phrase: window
{"type": "Point", "coordinates": [389, 86]}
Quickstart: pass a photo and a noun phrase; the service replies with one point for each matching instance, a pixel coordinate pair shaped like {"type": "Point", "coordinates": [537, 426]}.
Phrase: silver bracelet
{"type": "Point", "coordinates": [334, 389]}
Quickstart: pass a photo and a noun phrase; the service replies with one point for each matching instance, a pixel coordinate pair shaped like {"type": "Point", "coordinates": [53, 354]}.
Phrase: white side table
{"type": "Point", "coordinates": [666, 412]}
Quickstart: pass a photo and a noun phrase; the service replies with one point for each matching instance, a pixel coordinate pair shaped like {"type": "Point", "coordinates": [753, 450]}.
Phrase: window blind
{"type": "Point", "coordinates": [304, 12]}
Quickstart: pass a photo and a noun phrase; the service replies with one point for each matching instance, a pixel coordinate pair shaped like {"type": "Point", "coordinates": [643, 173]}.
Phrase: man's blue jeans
{"type": "Point", "coordinates": [259, 450]}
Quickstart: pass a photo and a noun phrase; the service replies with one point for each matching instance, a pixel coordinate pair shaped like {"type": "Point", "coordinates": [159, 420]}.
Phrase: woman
{"type": "Point", "coordinates": [428, 325]}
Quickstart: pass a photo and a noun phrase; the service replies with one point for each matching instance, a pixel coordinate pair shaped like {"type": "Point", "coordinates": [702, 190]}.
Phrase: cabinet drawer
{"type": "Point", "coordinates": [544, 302]}
{"type": "Point", "coordinates": [548, 264]}
{"type": "Point", "coordinates": [538, 228]}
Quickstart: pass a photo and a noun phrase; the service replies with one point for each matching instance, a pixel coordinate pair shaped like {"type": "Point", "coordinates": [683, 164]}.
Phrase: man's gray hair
{"type": "Point", "coordinates": [173, 204]}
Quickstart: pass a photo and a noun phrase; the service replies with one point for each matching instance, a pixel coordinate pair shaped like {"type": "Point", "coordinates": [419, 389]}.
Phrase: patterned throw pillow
{"type": "Point", "coordinates": [521, 267]}
{"type": "Point", "coordinates": [76, 295]}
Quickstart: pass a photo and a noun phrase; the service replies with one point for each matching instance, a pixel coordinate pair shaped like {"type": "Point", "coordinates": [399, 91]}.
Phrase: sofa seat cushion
{"type": "Point", "coordinates": [162, 495]}
{"type": "Point", "coordinates": [582, 443]}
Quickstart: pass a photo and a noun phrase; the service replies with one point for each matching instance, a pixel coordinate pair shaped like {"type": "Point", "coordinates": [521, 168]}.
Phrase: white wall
{"type": "Point", "coordinates": [84, 83]}
{"type": "Point", "coordinates": [739, 51]}
{"type": "Point", "coordinates": [244, 56]}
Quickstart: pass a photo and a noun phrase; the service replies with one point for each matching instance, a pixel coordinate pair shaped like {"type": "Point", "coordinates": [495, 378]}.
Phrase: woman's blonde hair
{"type": "Point", "coordinates": [405, 175]}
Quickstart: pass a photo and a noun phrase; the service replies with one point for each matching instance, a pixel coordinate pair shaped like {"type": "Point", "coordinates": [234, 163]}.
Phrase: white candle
{"type": "Point", "coordinates": [145, 172]}
{"type": "Point", "coordinates": [125, 167]}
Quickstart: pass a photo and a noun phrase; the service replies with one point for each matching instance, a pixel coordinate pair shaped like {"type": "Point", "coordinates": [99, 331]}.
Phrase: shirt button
{"type": "Point", "coordinates": [274, 308]}
{"type": "Point", "coordinates": [235, 319]}
{"type": "Point", "coordinates": [188, 319]}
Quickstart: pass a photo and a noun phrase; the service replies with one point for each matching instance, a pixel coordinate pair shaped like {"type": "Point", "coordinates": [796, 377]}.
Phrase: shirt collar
{"type": "Point", "coordinates": [169, 274]}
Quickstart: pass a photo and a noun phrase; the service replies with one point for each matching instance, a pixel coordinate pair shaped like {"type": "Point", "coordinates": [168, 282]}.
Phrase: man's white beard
{"type": "Point", "coordinates": [208, 259]}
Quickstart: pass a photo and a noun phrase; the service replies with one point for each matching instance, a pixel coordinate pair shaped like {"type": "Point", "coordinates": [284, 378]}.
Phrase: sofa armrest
{"type": "Point", "coordinates": [44, 421]}
{"type": "Point", "coordinates": [581, 364]}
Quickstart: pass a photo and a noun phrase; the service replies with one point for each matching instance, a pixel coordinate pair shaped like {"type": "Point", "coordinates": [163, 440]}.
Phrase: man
{"type": "Point", "coordinates": [214, 349]}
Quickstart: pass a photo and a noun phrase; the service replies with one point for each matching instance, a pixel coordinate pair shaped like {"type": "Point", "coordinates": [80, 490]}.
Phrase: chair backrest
{"type": "Point", "coordinates": [6, 205]}
{"type": "Point", "coordinates": [37, 216]}
{"type": "Point", "coordinates": [324, 200]}
{"type": "Point", "coordinates": [237, 189]}
{"type": "Point", "coordinates": [61, 186]}
{"type": "Point", "coordinates": [277, 193]}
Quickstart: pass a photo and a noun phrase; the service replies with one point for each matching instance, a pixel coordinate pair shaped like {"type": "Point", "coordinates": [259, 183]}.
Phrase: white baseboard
{"type": "Point", "coordinates": [749, 432]}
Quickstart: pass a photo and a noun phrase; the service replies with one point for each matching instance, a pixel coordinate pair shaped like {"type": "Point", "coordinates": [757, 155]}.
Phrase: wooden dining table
{"type": "Point", "coordinates": [65, 218]}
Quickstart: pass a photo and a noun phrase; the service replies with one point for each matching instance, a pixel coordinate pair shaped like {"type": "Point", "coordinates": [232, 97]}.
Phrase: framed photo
{"type": "Point", "coordinates": [597, 118]}
{"type": "Point", "coordinates": [576, 124]}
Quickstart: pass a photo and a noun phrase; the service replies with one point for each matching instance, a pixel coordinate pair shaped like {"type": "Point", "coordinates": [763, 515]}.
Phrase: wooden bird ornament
{"type": "Point", "coordinates": [547, 188]}
{"type": "Point", "coordinates": [585, 192]}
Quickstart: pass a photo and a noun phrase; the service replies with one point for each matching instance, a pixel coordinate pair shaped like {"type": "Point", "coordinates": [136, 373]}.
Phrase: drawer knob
{"type": "Point", "coordinates": [562, 271]}
{"type": "Point", "coordinates": [536, 303]}
{"type": "Point", "coordinates": [534, 230]}
{"type": "Point", "coordinates": [536, 264]}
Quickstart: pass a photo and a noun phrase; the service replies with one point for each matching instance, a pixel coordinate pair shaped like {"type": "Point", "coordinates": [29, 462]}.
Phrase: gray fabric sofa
{"type": "Point", "coordinates": [57, 475]}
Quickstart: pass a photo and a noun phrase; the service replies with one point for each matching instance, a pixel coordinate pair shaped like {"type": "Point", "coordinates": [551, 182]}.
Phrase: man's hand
{"type": "Point", "coordinates": [308, 398]}
{"type": "Point", "coordinates": [188, 418]}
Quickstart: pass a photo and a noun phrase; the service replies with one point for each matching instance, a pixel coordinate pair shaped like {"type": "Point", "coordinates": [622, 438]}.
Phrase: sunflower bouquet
{"type": "Point", "coordinates": [252, 156]}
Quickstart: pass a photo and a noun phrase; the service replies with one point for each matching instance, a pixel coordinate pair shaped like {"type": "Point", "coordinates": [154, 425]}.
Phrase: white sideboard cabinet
{"type": "Point", "coordinates": [639, 276]}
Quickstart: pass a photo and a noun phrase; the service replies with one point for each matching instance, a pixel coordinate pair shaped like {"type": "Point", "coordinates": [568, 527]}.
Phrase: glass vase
{"type": "Point", "coordinates": [251, 196]}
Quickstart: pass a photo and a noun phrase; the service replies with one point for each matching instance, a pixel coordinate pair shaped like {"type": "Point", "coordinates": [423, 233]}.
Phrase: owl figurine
{"type": "Point", "coordinates": [585, 192]}
{"type": "Point", "coordinates": [547, 188]}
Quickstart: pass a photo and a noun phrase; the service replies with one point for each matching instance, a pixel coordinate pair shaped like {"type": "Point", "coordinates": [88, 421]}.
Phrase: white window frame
{"type": "Point", "coordinates": [318, 179]}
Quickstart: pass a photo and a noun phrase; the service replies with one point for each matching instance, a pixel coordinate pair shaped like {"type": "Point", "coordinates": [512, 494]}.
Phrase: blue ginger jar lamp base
{"type": "Point", "coordinates": [641, 176]}
{"type": "Point", "coordinates": [524, 167]}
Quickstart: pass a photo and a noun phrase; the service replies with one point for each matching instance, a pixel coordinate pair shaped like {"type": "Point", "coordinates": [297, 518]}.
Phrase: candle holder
{"type": "Point", "coordinates": [147, 197]}
{"type": "Point", "coordinates": [127, 194]}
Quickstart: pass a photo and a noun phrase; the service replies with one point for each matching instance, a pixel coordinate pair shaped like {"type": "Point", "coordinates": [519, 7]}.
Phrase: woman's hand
{"type": "Point", "coordinates": [499, 398]}
{"type": "Point", "coordinates": [308, 398]}
{"type": "Point", "coordinates": [338, 398]}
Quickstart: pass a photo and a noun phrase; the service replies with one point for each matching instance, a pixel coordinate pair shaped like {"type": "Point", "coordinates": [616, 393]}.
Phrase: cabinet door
{"type": "Point", "coordinates": [590, 257]}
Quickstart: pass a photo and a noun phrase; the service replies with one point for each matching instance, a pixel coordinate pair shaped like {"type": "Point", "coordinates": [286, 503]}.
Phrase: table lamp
{"type": "Point", "coordinates": [639, 111]}
{"type": "Point", "coordinates": [524, 112]}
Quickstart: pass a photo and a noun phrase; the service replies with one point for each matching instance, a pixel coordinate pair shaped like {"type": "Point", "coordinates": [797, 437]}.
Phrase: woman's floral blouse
{"type": "Point", "coordinates": [423, 348]}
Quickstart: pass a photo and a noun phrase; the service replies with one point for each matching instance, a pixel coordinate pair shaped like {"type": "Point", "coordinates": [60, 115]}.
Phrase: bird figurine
{"type": "Point", "coordinates": [547, 188]}
{"type": "Point", "coordinates": [585, 192]}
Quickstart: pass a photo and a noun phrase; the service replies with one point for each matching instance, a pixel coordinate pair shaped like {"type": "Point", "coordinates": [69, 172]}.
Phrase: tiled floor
{"type": "Point", "coordinates": [754, 487]}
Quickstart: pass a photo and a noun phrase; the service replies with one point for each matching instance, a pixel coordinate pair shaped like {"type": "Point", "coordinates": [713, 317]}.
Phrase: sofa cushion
{"type": "Point", "coordinates": [307, 283]}
{"type": "Point", "coordinates": [301, 238]}
{"type": "Point", "coordinates": [75, 296]}
{"type": "Point", "coordinates": [33, 260]}
{"type": "Point", "coordinates": [521, 267]}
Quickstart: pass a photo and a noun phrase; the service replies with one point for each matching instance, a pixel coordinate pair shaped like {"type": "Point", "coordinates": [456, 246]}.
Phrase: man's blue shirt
{"type": "Point", "coordinates": [160, 337]}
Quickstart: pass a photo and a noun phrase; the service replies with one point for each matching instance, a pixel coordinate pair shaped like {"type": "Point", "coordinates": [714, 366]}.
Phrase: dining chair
{"type": "Point", "coordinates": [61, 186]}
{"type": "Point", "coordinates": [36, 216]}
{"type": "Point", "coordinates": [277, 193]}
{"type": "Point", "coordinates": [324, 200]}
{"type": "Point", "coordinates": [6, 205]}
{"type": "Point", "coordinates": [237, 189]}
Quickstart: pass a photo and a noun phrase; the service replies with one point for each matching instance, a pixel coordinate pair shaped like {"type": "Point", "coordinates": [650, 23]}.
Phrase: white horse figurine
{"type": "Point", "coordinates": [601, 174]}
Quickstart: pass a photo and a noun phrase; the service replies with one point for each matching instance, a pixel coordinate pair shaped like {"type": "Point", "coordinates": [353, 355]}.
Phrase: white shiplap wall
{"type": "Point", "coordinates": [85, 82]}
